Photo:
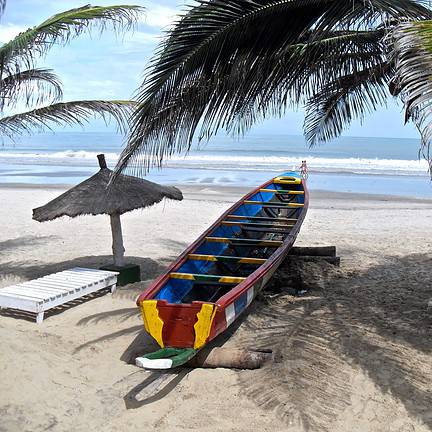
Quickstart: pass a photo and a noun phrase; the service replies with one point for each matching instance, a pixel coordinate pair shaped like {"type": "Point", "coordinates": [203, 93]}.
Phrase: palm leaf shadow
{"type": "Point", "coordinates": [122, 315]}
{"type": "Point", "coordinates": [374, 320]}
{"type": "Point", "coordinates": [304, 364]}
{"type": "Point", "coordinates": [108, 337]}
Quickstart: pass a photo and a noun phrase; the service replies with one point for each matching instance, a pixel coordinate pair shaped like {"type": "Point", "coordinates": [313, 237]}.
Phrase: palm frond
{"type": "Point", "coordinates": [2, 6]}
{"type": "Point", "coordinates": [413, 56]}
{"type": "Point", "coordinates": [33, 86]}
{"type": "Point", "coordinates": [60, 29]}
{"type": "Point", "coordinates": [67, 113]}
{"type": "Point", "coordinates": [228, 64]}
{"type": "Point", "coordinates": [352, 96]}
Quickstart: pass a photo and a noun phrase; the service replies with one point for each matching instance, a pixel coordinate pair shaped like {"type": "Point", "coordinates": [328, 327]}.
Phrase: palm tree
{"type": "Point", "coordinates": [413, 57]}
{"type": "Point", "coordinates": [22, 82]}
{"type": "Point", "coordinates": [229, 64]}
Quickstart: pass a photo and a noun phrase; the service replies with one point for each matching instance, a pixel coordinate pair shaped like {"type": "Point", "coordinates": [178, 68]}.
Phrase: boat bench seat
{"type": "Point", "coordinates": [268, 204]}
{"type": "Point", "coordinates": [282, 191]}
{"type": "Point", "coordinates": [205, 277]}
{"type": "Point", "coordinates": [257, 225]}
{"type": "Point", "coordinates": [223, 258]}
{"type": "Point", "coordinates": [262, 218]}
{"type": "Point", "coordinates": [245, 242]}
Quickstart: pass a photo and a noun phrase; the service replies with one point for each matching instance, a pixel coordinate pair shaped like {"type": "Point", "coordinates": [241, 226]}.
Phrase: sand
{"type": "Point", "coordinates": [354, 354]}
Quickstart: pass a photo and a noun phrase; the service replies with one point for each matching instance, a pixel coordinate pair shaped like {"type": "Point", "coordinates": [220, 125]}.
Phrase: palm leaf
{"type": "Point", "coordinates": [67, 113]}
{"type": "Point", "coordinates": [350, 97]}
{"type": "Point", "coordinates": [228, 64]}
{"type": "Point", "coordinates": [60, 29]}
{"type": "Point", "coordinates": [33, 86]}
{"type": "Point", "coordinates": [413, 56]}
{"type": "Point", "coordinates": [2, 6]}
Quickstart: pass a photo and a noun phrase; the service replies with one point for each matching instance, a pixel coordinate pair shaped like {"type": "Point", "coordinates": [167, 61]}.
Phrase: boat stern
{"type": "Point", "coordinates": [178, 325]}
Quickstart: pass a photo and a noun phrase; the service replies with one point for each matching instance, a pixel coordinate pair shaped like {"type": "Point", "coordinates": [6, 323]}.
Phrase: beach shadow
{"type": "Point", "coordinates": [174, 246]}
{"type": "Point", "coordinates": [29, 270]}
{"type": "Point", "coordinates": [109, 337]}
{"type": "Point", "coordinates": [118, 315]}
{"type": "Point", "coordinates": [376, 320]}
{"type": "Point", "coordinates": [385, 313]}
{"type": "Point", "coordinates": [25, 241]}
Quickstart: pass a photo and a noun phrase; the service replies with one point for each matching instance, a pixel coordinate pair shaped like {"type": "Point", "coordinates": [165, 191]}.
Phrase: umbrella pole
{"type": "Point", "coordinates": [117, 245]}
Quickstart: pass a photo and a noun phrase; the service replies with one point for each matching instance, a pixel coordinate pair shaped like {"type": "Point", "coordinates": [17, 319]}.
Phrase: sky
{"type": "Point", "coordinates": [109, 67]}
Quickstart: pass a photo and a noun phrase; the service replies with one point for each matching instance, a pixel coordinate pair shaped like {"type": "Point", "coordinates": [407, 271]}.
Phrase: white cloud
{"type": "Point", "coordinates": [9, 31]}
{"type": "Point", "coordinates": [160, 16]}
{"type": "Point", "coordinates": [138, 42]}
{"type": "Point", "coordinates": [143, 38]}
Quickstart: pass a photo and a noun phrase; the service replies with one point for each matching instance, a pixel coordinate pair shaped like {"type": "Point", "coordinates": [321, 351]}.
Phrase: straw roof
{"type": "Point", "coordinates": [92, 196]}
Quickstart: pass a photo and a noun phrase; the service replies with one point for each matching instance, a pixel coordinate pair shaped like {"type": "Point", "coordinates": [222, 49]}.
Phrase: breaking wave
{"type": "Point", "coordinates": [232, 162]}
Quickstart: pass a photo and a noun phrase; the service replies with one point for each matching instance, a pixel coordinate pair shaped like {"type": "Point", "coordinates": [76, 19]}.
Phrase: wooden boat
{"type": "Point", "coordinates": [216, 278]}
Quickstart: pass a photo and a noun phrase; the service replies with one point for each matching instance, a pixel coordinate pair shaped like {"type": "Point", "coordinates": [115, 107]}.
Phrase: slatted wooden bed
{"type": "Point", "coordinates": [56, 289]}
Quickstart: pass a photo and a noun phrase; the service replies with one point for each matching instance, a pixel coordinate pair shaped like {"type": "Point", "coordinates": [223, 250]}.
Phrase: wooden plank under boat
{"type": "Point", "coordinates": [216, 278]}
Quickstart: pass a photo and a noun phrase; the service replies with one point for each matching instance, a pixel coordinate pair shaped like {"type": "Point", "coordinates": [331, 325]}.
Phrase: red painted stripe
{"type": "Point", "coordinates": [179, 320]}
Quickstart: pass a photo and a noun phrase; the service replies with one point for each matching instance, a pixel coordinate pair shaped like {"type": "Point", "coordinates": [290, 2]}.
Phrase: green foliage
{"type": "Point", "coordinates": [229, 64]}
{"type": "Point", "coordinates": [66, 113]}
{"type": "Point", "coordinates": [33, 87]}
{"type": "Point", "coordinates": [413, 57]}
{"type": "Point", "coordinates": [60, 29]}
{"type": "Point", "coordinates": [22, 82]}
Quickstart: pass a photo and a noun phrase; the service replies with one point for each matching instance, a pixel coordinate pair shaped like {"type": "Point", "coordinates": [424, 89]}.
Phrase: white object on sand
{"type": "Point", "coordinates": [146, 363]}
{"type": "Point", "coordinates": [41, 294]}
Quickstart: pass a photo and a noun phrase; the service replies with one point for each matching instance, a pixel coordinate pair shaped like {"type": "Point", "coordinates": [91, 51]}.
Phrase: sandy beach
{"type": "Point", "coordinates": [355, 352]}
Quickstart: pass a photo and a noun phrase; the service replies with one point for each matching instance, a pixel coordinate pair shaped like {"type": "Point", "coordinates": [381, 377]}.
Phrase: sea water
{"type": "Point", "coordinates": [350, 164]}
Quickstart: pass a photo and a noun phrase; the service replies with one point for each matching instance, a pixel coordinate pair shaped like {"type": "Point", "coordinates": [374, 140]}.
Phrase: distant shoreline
{"type": "Point", "coordinates": [215, 192]}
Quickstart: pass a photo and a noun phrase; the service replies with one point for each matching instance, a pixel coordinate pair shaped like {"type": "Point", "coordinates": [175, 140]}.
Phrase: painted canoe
{"type": "Point", "coordinates": [216, 278]}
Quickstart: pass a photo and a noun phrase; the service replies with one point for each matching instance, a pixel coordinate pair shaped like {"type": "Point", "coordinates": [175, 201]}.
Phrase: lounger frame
{"type": "Point", "coordinates": [42, 294]}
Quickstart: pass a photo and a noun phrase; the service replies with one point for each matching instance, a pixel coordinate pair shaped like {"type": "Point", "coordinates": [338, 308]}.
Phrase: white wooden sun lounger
{"type": "Point", "coordinates": [56, 289]}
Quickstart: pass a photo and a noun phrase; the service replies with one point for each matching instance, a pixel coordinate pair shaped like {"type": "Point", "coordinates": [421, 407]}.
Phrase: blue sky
{"type": "Point", "coordinates": [106, 67]}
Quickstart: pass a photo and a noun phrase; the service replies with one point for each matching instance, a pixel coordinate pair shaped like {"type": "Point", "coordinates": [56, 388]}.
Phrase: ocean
{"type": "Point", "coordinates": [350, 164]}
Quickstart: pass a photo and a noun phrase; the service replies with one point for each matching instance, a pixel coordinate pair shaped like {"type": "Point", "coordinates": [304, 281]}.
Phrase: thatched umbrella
{"type": "Point", "coordinates": [93, 197]}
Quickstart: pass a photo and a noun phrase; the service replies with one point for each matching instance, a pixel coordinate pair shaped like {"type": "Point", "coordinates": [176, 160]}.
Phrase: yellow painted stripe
{"type": "Point", "coordinates": [152, 323]}
{"type": "Point", "coordinates": [218, 240]}
{"type": "Point", "coordinates": [215, 258]}
{"type": "Point", "coordinates": [276, 219]}
{"type": "Point", "coordinates": [198, 257]}
{"type": "Point", "coordinates": [287, 192]}
{"type": "Point", "coordinates": [258, 242]}
{"type": "Point", "coordinates": [266, 225]}
{"type": "Point", "coordinates": [185, 276]}
{"type": "Point", "coordinates": [275, 203]}
{"type": "Point", "coordinates": [252, 261]}
{"type": "Point", "coordinates": [213, 278]}
{"type": "Point", "coordinates": [231, 279]}
{"type": "Point", "coordinates": [203, 325]}
{"type": "Point", "coordinates": [287, 180]}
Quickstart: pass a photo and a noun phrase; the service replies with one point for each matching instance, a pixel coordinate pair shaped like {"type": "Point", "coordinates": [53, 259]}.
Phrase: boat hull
{"type": "Point", "coordinates": [191, 326]}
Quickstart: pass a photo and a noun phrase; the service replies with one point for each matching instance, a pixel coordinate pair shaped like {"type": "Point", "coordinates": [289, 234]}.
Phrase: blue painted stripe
{"type": "Point", "coordinates": [240, 304]}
